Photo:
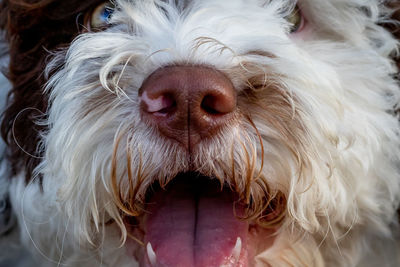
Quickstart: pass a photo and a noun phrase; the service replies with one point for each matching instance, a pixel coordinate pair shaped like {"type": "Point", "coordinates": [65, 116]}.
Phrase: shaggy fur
{"type": "Point", "coordinates": [313, 152]}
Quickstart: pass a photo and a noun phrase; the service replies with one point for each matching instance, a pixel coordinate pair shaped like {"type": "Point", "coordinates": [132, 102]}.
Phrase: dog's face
{"type": "Point", "coordinates": [203, 132]}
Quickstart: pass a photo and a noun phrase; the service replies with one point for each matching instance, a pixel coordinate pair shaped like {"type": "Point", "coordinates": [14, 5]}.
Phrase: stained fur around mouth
{"type": "Point", "coordinates": [267, 212]}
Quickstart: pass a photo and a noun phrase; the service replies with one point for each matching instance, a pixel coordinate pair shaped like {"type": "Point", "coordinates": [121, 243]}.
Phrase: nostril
{"type": "Point", "coordinates": [168, 105]}
{"type": "Point", "coordinates": [218, 103]}
{"type": "Point", "coordinates": [209, 104]}
{"type": "Point", "coordinates": [162, 104]}
{"type": "Point", "coordinates": [170, 108]}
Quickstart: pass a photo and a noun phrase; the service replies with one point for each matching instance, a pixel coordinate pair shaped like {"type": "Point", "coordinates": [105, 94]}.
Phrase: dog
{"type": "Point", "coordinates": [201, 133]}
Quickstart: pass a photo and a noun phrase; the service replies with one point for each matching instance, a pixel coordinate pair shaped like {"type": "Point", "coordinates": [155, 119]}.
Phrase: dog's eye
{"type": "Point", "coordinates": [101, 15]}
{"type": "Point", "coordinates": [296, 19]}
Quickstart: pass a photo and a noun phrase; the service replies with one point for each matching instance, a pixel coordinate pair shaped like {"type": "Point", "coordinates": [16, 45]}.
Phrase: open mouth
{"type": "Point", "coordinates": [196, 221]}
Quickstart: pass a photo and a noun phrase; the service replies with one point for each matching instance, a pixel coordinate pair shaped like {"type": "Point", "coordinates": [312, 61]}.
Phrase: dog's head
{"type": "Point", "coordinates": [203, 133]}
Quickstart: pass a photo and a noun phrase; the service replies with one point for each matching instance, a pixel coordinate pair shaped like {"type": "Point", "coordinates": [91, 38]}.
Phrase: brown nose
{"type": "Point", "coordinates": [188, 103]}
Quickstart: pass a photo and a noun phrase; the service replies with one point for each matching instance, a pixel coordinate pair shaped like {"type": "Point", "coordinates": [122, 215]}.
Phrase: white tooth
{"type": "Point", "coordinates": [237, 250]}
{"type": "Point", "coordinates": [151, 255]}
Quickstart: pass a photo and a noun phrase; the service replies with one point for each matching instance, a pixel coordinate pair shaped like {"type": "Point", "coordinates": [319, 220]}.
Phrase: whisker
{"type": "Point", "coordinates": [14, 136]}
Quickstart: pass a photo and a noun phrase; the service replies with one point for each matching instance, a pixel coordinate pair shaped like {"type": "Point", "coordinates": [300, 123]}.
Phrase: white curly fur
{"type": "Point", "coordinates": [333, 149]}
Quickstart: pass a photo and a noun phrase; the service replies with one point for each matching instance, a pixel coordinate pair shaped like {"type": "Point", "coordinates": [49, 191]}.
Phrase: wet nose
{"type": "Point", "coordinates": [188, 103]}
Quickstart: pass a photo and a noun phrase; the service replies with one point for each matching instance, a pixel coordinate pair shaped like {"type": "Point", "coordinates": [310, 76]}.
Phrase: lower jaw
{"type": "Point", "coordinates": [193, 223]}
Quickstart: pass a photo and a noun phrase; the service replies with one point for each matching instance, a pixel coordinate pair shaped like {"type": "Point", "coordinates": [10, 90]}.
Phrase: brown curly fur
{"type": "Point", "coordinates": [393, 27]}
{"type": "Point", "coordinates": [32, 29]}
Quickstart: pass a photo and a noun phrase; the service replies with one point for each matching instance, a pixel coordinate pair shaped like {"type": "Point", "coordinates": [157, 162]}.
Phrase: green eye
{"type": "Point", "coordinates": [295, 19]}
{"type": "Point", "coordinates": [101, 15]}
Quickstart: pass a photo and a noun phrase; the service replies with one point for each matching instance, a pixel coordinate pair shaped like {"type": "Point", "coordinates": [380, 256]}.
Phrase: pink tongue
{"type": "Point", "coordinates": [194, 225]}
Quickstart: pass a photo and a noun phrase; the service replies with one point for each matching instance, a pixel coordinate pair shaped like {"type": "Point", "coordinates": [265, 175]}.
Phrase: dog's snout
{"type": "Point", "coordinates": [188, 103]}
